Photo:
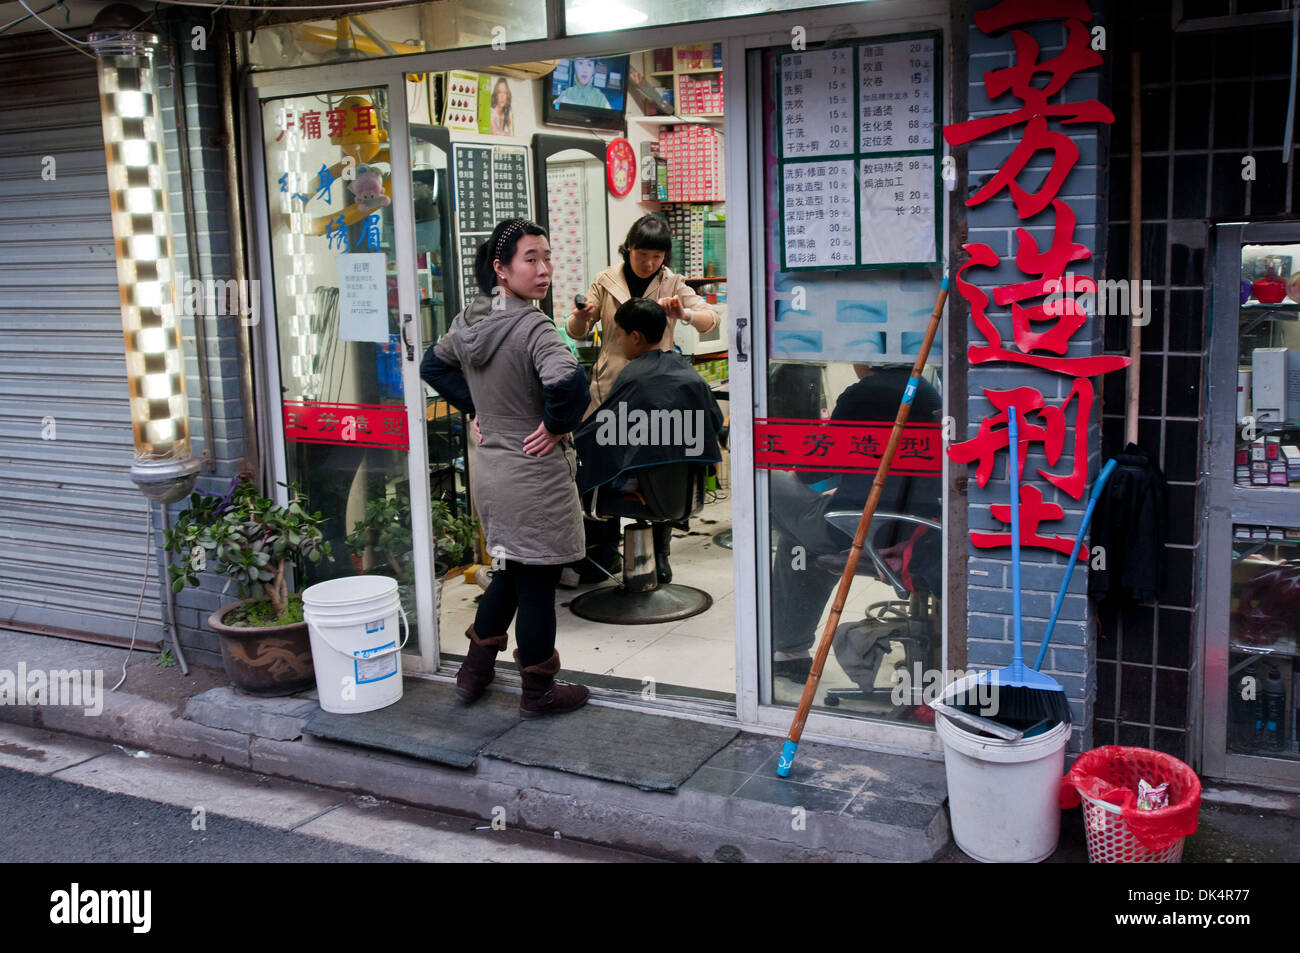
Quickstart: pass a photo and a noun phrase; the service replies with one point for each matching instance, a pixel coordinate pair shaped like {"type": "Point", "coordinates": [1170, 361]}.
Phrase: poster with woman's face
{"type": "Point", "coordinates": [496, 110]}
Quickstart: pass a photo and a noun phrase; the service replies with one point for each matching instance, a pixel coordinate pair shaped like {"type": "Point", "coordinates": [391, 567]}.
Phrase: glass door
{"type": "Point", "coordinates": [346, 345]}
{"type": "Point", "coordinates": [1252, 640]}
{"type": "Point", "coordinates": [847, 229]}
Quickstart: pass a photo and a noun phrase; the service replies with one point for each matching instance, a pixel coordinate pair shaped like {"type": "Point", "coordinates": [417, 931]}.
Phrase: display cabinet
{"type": "Point", "coordinates": [1251, 623]}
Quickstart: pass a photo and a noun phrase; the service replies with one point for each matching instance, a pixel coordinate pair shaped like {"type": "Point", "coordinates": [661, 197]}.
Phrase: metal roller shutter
{"type": "Point", "coordinates": [73, 547]}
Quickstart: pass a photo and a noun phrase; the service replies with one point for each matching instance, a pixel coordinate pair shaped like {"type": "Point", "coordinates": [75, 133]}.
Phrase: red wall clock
{"type": "Point", "coordinates": [620, 167]}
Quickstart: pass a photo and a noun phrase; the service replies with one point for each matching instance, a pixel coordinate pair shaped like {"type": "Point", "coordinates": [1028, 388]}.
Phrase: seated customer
{"type": "Point", "coordinates": [658, 411]}
{"type": "Point", "coordinates": [799, 589]}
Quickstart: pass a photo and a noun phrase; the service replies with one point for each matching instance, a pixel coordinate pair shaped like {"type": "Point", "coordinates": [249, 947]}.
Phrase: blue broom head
{"type": "Point", "coordinates": [1020, 675]}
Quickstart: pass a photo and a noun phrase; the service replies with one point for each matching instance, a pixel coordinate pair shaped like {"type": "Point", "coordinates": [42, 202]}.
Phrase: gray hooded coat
{"type": "Point", "coordinates": [510, 367]}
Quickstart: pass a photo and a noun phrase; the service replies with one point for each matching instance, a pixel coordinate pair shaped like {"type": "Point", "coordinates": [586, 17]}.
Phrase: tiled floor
{"type": "Point", "coordinates": [699, 652]}
{"type": "Point", "coordinates": [892, 789]}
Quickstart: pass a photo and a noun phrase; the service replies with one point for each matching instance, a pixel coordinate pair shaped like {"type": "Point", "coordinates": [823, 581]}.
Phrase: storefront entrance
{"type": "Point", "coordinates": [364, 265]}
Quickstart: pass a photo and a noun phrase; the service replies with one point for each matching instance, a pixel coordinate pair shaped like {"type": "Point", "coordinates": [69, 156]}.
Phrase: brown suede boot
{"type": "Point", "coordinates": [478, 669]}
{"type": "Point", "coordinates": [542, 694]}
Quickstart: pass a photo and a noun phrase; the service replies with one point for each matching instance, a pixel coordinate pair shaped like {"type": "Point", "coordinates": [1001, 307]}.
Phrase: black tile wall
{"type": "Point", "coordinates": [1187, 308]}
{"type": "Point", "coordinates": [1175, 649]}
{"type": "Point", "coordinates": [1182, 514]}
{"type": "Point", "coordinates": [1171, 698]}
{"type": "Point", "coordinates": [1208, 100]}
{"type": "Point", "coordinates": [1183, 385]}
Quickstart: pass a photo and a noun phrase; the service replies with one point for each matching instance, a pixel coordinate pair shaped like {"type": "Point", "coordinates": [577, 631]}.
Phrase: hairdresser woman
{"type": "Point", "coordinates": [503, 362]}
{"type": "Point", "coordinates": [643, 273]}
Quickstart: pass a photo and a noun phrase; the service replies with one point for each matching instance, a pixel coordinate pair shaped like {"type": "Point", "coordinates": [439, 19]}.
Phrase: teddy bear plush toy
{"type": "Point", "coordinates": [368, 189]}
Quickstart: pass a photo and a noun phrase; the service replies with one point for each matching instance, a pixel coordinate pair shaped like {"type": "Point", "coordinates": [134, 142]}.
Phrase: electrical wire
{"type": "Point", "coordinates": [148, 535]}
{"type": "Point", "coordinates": [63, 37]}
{"type": "Point", "coordinates": [50, 27]}
{"type": "Point", "coordinates": [342, 7]}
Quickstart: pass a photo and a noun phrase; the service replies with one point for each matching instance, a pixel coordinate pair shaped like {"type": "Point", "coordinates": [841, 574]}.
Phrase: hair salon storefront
{"type": "Point", "coordinates": [485, 134]}
{"type": "Point", "coordinates": [846, 153]}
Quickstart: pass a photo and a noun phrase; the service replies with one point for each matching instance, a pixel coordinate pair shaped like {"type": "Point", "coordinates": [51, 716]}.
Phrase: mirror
{"type": "Point", "coordinates": [573, 207]}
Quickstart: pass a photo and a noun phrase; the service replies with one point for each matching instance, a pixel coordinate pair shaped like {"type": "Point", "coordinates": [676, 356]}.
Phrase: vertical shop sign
{"type": "Point", "coordinates": [1040, 336]}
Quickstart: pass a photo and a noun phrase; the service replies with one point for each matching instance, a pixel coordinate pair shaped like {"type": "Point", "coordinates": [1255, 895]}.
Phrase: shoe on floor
{"type": "Point", "coordinates": [569, 578]}
{"type": "Point", "coordinates": [542, 694]}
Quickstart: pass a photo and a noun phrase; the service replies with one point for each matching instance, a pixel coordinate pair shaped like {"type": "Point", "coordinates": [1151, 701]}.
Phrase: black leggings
{"type": "Point", "coordinates": [530, 591]}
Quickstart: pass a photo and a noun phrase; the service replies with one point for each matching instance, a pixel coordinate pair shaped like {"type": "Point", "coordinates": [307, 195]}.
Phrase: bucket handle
{"type": "Point", "coordinates": [406, 628]}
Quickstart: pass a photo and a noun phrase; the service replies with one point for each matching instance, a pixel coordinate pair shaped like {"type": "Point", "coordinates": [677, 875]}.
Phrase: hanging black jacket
{"type": "Point", "coordinates": [1131, 524]}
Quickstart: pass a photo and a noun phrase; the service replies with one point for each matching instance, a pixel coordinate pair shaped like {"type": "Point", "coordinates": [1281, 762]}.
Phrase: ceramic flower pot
{"type": "Point", "coordinates": [266, 660]}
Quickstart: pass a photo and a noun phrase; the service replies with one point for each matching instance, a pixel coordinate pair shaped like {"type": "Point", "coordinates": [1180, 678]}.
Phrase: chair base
{"type": "Point", "coordinates": [617, 606]}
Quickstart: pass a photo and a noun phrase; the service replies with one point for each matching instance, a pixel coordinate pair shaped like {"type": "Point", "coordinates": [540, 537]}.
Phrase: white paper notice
{"type": "Point", "coordinates": [817, 103]}
{"type": "Point", "coordinates": [896, 96]}
{"type": "Point", "coordinates": [897, 202]}
{"type": "Point", "coordinates": [363, 297]}
{"type": "Point", "coordinates": [819, 214]}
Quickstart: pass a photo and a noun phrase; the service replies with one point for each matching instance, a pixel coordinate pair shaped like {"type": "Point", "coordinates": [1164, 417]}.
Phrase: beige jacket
{"type": "Point", "coordinates": [608, 291]}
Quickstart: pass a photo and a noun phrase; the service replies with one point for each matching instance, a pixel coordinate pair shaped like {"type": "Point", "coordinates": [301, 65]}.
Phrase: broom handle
{"type": "Point", "coordinates": [1013, 477]}
{"type": "Point", "coordinates": [859, 538]}
{"type": "Point", "coordinates": [1106, 471]}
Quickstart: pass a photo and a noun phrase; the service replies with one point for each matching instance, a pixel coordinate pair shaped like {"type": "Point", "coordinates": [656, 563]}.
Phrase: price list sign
{"type": "Point", "coordinates": [819, 213]}
{"type": "Point", "coordinates": [817, 92]}
{"type": "Point", "coordinates": [897, 208]}
{"type": "Point", "coordinates": [896, 96]}
{"type": "Point", "coordinates": [491, 185]}
{"type": "Point", "coordinates": [510, 184]}
{"type": "Point", "coordinates": [474, 188]}
{"type": "Point", "coordinates": [859, 156]}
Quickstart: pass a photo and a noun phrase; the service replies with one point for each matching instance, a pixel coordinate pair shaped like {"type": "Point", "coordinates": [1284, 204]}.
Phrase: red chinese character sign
{"type": "Point", "coordinates": [845, 446]}
{"type": "Point", "coordinates": [364, 425]}
{"type": "Point", "coordinates": [1040, 335]}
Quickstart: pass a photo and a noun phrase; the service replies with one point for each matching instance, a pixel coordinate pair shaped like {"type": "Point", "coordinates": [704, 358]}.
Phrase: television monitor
{"type": "Point", "coordinates": [586, 91]}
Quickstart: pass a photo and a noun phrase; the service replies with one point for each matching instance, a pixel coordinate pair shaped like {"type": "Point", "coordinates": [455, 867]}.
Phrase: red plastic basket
{"type": "Point", "coordinates": [1106, 780]}
{"type": "Point", "coordinates": [1111, 842]}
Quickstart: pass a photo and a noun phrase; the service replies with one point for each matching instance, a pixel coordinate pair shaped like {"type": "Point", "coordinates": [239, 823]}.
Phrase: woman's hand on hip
{"type": "Point", "coordinates": [540, 441]}
{"type": "Point", "coordinates": [478, 431]}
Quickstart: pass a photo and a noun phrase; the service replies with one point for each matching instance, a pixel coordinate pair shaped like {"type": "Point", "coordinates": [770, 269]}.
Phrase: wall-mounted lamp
{"type": "Point", "coordinates": [164, 467]}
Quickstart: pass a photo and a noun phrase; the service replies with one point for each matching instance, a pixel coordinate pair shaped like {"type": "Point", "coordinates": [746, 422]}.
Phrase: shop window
{"type": "Point", "coordinates": [421, 28]}
{"type": "Point", "coordinates": [1262, 669]}
{"type": "Point", "coordinates": [598, 16]}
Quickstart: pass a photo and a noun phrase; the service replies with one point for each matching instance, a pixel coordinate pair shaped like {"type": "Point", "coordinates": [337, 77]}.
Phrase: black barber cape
{"type": "Point", "coordinates": [658, 411]}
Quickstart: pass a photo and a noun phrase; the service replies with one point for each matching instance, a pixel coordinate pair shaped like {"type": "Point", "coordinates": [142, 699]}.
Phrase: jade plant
{"type": "Point", "coordinates": [386, 532]}
{"type": "Point", "coordinates": [251, 540]}
{"type": "Point", "coordinates": [454, 536]}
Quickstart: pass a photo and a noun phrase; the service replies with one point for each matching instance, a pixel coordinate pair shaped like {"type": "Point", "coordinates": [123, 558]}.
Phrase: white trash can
{"type": "Point", "coordinates": [1002, 795]}
{"type": "Point", "coordinates": [352, 623]}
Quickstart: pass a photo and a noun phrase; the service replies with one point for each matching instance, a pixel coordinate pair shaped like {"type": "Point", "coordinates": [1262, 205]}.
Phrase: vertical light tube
{"type": "Point", "coordinates": [164, 467]}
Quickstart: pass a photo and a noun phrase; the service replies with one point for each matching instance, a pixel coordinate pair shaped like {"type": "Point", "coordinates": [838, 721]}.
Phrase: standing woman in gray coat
{"type": "Point", "coordinates": [502, 362]}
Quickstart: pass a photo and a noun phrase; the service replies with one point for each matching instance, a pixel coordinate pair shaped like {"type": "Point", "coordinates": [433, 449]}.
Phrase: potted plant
{"type": "Point", "coordinates": [381, 543]}
{"type": "Point", "coordinates": [252, 540]}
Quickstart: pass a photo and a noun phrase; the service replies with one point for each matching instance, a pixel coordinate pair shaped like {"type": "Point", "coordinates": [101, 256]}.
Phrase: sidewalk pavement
{"type": "Point", "coordinates": [845, 804]}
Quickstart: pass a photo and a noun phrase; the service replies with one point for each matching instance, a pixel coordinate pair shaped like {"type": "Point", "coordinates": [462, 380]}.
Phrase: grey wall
{"type": "Point", "coordinates": [1071, 660]}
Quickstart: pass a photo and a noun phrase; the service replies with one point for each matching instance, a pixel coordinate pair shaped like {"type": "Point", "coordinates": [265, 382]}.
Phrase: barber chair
{"type": "Point", "coordinates": [909, 621]}
{"type": "Point", "coordinates": [669, 493]}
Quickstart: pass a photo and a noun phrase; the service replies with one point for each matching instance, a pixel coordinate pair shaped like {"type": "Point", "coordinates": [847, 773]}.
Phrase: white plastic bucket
{"type": "Point", "coordinates": [1002, 794]}
{"type": "Point", "coordinates": [352, 623]}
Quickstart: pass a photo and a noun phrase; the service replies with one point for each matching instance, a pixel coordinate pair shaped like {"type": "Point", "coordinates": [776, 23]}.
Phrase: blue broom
{"type": "Point", "coordinates": [1106, 471]}
{"type": "Point", "coordinates": [1021, 696]}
